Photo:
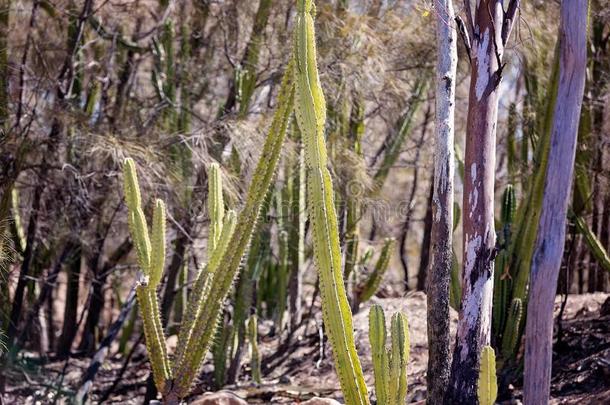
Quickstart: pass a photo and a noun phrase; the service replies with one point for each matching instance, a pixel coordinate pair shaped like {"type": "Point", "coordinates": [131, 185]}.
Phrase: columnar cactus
{"type": "Point", "coordinates": [310, 111]}
{"type": "Point", "coordinates": [511, 334]}
{"type": "Point", "coordinates": [488, 386]}
{"type": "Point", "coordinates": [389, 366]}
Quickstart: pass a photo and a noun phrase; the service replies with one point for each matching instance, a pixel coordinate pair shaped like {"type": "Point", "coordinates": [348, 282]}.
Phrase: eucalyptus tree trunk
{"type": "Point", "coordinates": [442, 204]}
{"type": "Point", "coordinates": [549, 246]}
{"type": "Point", "coordinates": [486, 35]}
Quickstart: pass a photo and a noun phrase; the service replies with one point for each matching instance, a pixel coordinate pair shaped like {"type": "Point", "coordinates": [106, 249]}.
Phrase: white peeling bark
{"type": "Point", "coordinates": [548, 250]}
{"type": "Point", "coordinates": [488, 27]}
{"type": "Point", "coordinates": [442, 204]}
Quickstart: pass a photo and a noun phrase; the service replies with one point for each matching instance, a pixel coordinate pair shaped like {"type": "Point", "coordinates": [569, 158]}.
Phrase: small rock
{"type": "Point", "coordinates": [219, 398]}
{"type": "Point", "coordinates": [321, 401]}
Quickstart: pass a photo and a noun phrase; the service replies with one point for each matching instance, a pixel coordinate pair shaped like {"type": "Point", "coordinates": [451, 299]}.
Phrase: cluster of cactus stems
{"type": "Point", "coordinates": [389, 365]}
{"type": "Point", "coordinates": [229, 238]}
{"type": "Point", "coordinates": [211, 286]}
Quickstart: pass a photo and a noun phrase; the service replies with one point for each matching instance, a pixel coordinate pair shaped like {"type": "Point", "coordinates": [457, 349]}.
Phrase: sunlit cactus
{"type": "Point", "coordinates": [389, 365]}
{"type": "Point", "coordinates": [310, 111]}
{"type": "Point", "coordinates": [488, 386]}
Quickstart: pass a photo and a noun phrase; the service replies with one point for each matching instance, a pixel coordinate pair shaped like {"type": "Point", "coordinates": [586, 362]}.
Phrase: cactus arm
{"type": "Point", "coordinates": [383, 263]}
{"type": "Point", "coordinates": [220, 282]}
{"type": "Point", "coordinates": [488, 386]}
{"type": "Point", "coordinates": [151, 258]}
{"type": "Point", "coordinates": [596, 247]}
{"type": "Point", "coordinates": [399, 358]}
{"type": "Point", "coordinates": [310, 110]}
{"type": "Point", "coordinates": [510, 337]}
{"type": "Point", "coordinates": [381, 367]}
{"type": "Point", "coordinates": [157, 257]}
{"type": "Point", "coordinates": [197, 294]}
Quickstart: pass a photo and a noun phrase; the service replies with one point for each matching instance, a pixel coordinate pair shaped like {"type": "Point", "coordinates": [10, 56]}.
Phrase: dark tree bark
{"type": "Point", "coordinates": [551, 232]}
{"type": "Point", "coordinates": [488, 29]}
{"type": "Point", "coordinates": [441, 205]}
{"type": "Point", "coordinates": [70, 327]}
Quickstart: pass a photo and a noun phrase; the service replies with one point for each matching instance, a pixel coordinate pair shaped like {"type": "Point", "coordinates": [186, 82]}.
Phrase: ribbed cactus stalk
{"type": "Point", "coordinates": [511, 335]}
{"type": "Point", "coordinates": [488, 386]}
{"type": "Point", "coordinates": [216, 207]}
{"type": "Point", "coordinates": [389, 366]}
{"type": "Point", "coordinates": [255, 358]}
{"type": "Point", "coordinates": [399, 357]}
{"type": "Point", "coordinates": [310, 110]}
{"type": "Point", "coordinates": [383, 263]}
{"type": "Point", "coordinates": [381, 361]}
{"type": "Point", "coordinates": [151, 258]}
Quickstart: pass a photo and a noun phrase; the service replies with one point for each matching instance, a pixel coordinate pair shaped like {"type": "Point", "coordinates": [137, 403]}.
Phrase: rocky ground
{"type": "Point", "coordinates": [303, 369]}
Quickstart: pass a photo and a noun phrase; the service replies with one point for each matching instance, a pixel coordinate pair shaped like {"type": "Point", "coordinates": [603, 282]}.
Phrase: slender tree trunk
{"type": "Point", "coordinates": [71, 309]}
{"type": "Point", "coordinates": [424, 258]}
{"type": "Point", "coordinates": [489, 28]}
{"type": "Point", "coordinates": [551, 232]}
{"type": "Point", "coordinates": [442, 205]}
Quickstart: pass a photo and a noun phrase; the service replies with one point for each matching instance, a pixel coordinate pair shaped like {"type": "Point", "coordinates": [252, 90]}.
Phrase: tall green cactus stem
{"type": "Point", "coordinates": [310, 111]}
{"type": "Point", "coordinates": [381, 365]}
{"type": "Point", "coordinates": [510, 337]}
{"type": "Point", "coordinates": [150, 258]}
{"type": "Point", "coordinates": [219, 285]}
{"type": "Point", "coordinates": [488, 386]}
{"type": "Point", "coordinates": [399, 358]}
{"type": "Point", "coordinates": [255, 358]}
{"type": "Point", "coordinates": [383, 263]}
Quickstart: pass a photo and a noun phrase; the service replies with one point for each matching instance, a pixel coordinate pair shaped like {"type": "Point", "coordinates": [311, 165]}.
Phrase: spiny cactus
{"type": "Point", "coordinates": [255, 359]}
{"type": "Point", "coordinates": [488, 386]}
{"type": "Point", "coordinates": [211, 287]}
{"type": "Point", "coordinates": [510, 337]}
{"type": "Point", "coordinates": [310, 111]}
{"type": "Point", "coordinates": [389, 366]}
{"type": "Point", "coordinates": [151, 258]}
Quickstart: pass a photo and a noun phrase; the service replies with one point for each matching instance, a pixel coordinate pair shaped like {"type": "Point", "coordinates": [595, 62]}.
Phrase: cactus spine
{"type": "Point", "coordinates": [310, 111]}
{"type": "Point", "coordinates": [389, 366]}
{"type": "Point", "coordinates": [488, 386]}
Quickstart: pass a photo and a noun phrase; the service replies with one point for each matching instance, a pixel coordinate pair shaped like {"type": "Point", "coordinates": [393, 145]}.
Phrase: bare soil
{"type": "Point", "coordinates": [302, 368]}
